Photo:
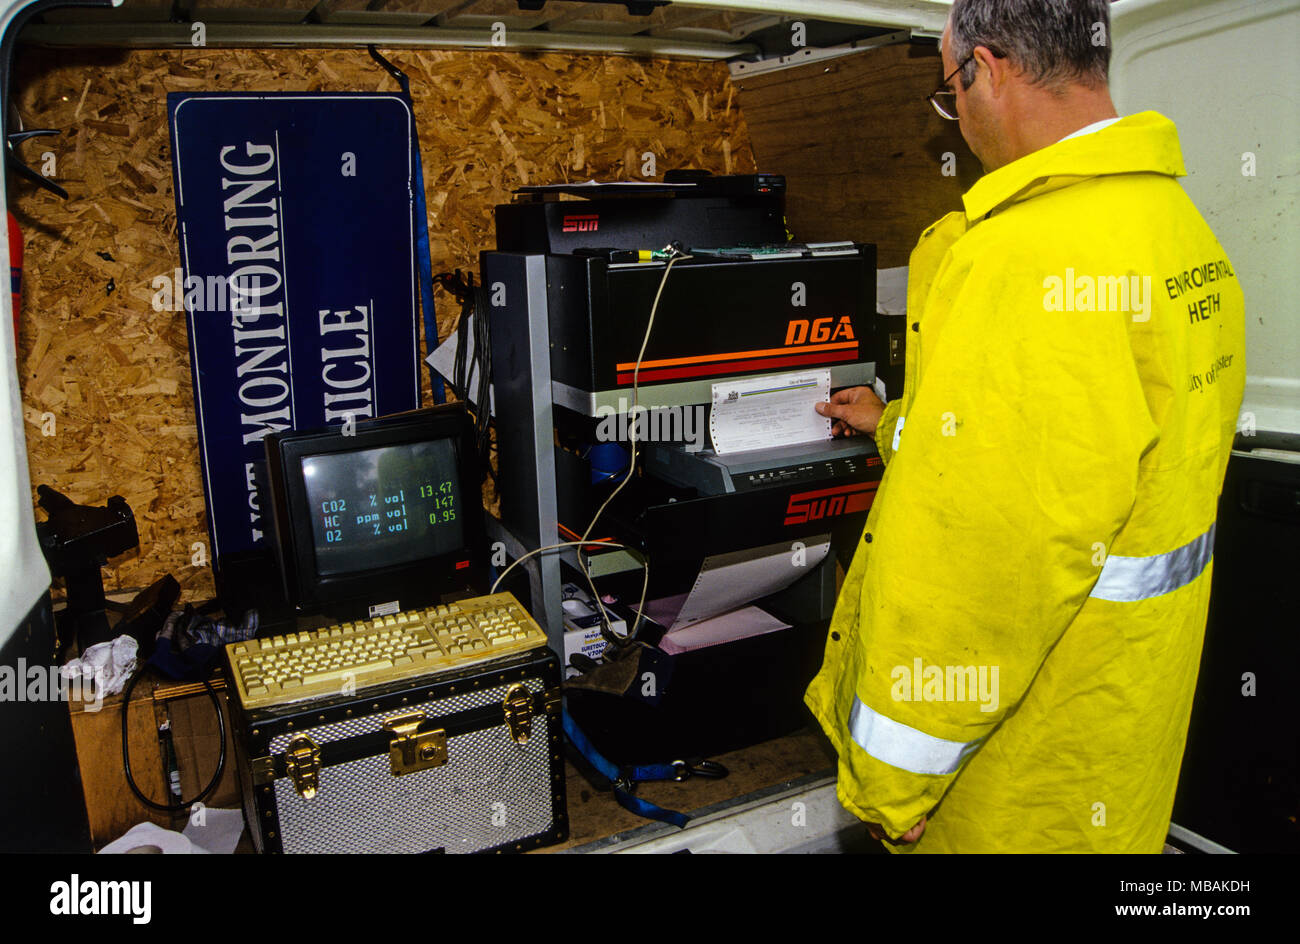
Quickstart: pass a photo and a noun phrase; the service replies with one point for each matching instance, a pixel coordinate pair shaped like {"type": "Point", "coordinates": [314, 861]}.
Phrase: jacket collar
{"type": "Point", "coordinates": [1142, 143]}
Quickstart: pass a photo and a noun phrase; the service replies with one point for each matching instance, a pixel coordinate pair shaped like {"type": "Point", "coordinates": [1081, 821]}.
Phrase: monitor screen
{"type": "Point", "coordinates": [383, 518]}
{"type": "Point", "coordinates": [386, 506]}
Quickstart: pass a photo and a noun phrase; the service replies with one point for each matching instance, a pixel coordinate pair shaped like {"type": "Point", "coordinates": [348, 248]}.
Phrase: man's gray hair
{"type": "Point", "coordinates": [1053, 41]}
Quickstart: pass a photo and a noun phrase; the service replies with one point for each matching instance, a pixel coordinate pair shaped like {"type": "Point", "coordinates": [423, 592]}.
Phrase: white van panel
{"type": "Point", "coordinates": [1227, 72]}
{"type": "Point", "coordinates": [24, 575]}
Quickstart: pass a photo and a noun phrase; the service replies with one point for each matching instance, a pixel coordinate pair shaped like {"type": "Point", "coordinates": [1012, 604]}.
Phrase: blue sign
{"type": "Point", "coordinates": [299, 281]}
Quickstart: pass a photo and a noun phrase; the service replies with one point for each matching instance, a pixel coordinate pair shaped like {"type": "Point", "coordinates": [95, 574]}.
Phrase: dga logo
{"type": "Point", "coordinates": [581, 223]}
{"type": "Point", "coordinates": [819, 331]}
{"type": "Point", "coordinates": [75, 897]}
{"type": "Point", "coordinates": [829, 502]}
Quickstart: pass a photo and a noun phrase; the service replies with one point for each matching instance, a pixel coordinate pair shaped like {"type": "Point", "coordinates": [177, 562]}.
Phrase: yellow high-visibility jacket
{"type": "Point", "coordinates": [1015, 646]}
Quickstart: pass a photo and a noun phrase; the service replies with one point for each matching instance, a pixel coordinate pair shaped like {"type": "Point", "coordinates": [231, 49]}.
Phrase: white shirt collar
{"type": "Point", "coordinates": [1090, 129]}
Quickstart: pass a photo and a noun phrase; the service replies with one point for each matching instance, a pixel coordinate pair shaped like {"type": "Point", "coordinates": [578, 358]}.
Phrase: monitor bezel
{"type": "Point", "coordinates": [411, 584]}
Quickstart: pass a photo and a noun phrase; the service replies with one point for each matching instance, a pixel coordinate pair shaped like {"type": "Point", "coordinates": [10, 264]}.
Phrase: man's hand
{"type": "Point", "coordinates": [912, 835]}
{"type": "Point", "coordinates": [854, 410]}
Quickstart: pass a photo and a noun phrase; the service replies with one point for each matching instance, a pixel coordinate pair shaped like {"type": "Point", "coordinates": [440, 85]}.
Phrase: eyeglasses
{"type": "Point", "coordinates": [944, 99]}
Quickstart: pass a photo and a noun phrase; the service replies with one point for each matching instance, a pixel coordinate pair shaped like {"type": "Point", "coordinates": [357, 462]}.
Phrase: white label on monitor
{"type": "Point", "coordinates": [385, 609]}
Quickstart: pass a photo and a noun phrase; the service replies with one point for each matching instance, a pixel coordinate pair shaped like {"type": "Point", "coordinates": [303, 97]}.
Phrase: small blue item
{"type": "Point", "coordinates": [607, 461]}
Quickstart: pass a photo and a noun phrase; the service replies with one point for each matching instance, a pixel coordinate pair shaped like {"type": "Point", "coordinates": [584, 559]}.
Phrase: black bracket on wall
{"type": "Point", "coordinates": [21, 19]}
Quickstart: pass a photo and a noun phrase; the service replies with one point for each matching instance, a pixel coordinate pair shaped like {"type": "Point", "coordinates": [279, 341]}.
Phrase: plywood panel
{"type": "Point", "coordinates": [106, 382]}
{"type": "Point", "coordinates": [862, 151]}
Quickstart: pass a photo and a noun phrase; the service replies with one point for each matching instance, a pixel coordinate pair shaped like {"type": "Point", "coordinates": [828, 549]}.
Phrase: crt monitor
{"type": "Point", "coordinates": [384, 517]}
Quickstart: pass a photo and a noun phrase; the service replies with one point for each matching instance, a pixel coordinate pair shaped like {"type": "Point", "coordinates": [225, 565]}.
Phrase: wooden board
{"type": "Point", "coordinates": [863, 152]}
{"type": "Point", "coordinates": [106, 382]}
{"type": "Point", "coordinates": [594, 814]}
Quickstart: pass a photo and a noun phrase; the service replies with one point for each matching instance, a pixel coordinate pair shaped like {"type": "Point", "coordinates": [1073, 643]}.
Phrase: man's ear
{"type": "Point", "coordinates": [998, 70]}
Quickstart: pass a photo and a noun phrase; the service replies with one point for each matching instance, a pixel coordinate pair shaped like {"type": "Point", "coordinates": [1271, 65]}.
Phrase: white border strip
{"type": "Point", "coordinates": [1129, 579]}
{"type": "Point", "coordinates": [905, 748]}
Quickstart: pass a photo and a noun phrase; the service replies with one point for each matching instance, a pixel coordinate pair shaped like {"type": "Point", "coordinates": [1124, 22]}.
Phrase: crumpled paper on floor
{"type": "Point", "coordinates": [108, 664]}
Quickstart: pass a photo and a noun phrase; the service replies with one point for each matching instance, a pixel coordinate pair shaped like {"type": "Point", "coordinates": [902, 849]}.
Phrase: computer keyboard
{"type": "Point", "coordinates": [349, 656]}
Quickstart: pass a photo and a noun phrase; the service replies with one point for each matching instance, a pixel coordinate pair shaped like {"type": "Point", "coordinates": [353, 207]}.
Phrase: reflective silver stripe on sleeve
{"type": "Point", "coordinates": [1128, 579]}
{"type": "Point", "coordinates": [906, 748]}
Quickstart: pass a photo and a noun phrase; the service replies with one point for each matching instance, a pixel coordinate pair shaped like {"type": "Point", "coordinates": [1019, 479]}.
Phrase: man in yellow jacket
{"type": "Point", "coordinates": [1013, 656]}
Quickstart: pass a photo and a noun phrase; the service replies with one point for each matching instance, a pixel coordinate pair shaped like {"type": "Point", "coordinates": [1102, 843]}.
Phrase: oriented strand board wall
{"type": "Point", "coordinates": [106, 380]}
{"type": "Point", "coordinates": [862, 151]}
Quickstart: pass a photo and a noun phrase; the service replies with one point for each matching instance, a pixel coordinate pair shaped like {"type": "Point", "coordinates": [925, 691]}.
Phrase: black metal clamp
{"type": "Point", "coordinates": [708, 769]}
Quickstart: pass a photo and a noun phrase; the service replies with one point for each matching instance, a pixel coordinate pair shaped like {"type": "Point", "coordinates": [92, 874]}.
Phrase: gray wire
{"type": "Point", "coordinates": [631, 466]}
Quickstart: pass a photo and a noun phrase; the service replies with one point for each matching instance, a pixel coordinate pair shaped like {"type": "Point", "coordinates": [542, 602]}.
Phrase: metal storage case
{"type": "Point", "coordinates": [460, 761]}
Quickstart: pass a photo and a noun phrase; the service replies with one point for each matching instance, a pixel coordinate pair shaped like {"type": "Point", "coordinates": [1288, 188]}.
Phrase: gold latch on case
{"type": "Point", "coordinates": [553, 700]}
{"type": "Point", "coordinates": [302, 763]}
{"type": "Point", "coordinates": [519, 713]}
{"type": "Point", "coordinates": [411, 749]}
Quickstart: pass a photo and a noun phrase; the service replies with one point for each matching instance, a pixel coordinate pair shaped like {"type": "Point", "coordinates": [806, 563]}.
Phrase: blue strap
{"type": "Point", "coordinates": [423, 264]}
{"type": "Point", "coordinates": [629, 801]}
{"type": "Point", "coordinates": [652, 772]}
{"type": "Point", "coordinates": [425, 267]}
{"type": "Point", "coordinates": [593, 756]}
{"type": "Point", "coordinates": [634, 804]}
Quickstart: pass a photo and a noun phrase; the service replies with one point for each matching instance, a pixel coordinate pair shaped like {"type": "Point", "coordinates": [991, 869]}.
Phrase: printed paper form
{"type": "Point", "coordinates": [738, 624]}
{"type": "Point", "coordinates": [769, 411]}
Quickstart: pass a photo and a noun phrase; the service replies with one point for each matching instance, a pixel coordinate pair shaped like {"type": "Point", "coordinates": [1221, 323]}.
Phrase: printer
{"type": "Point", "coordinates": [568, 315]}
